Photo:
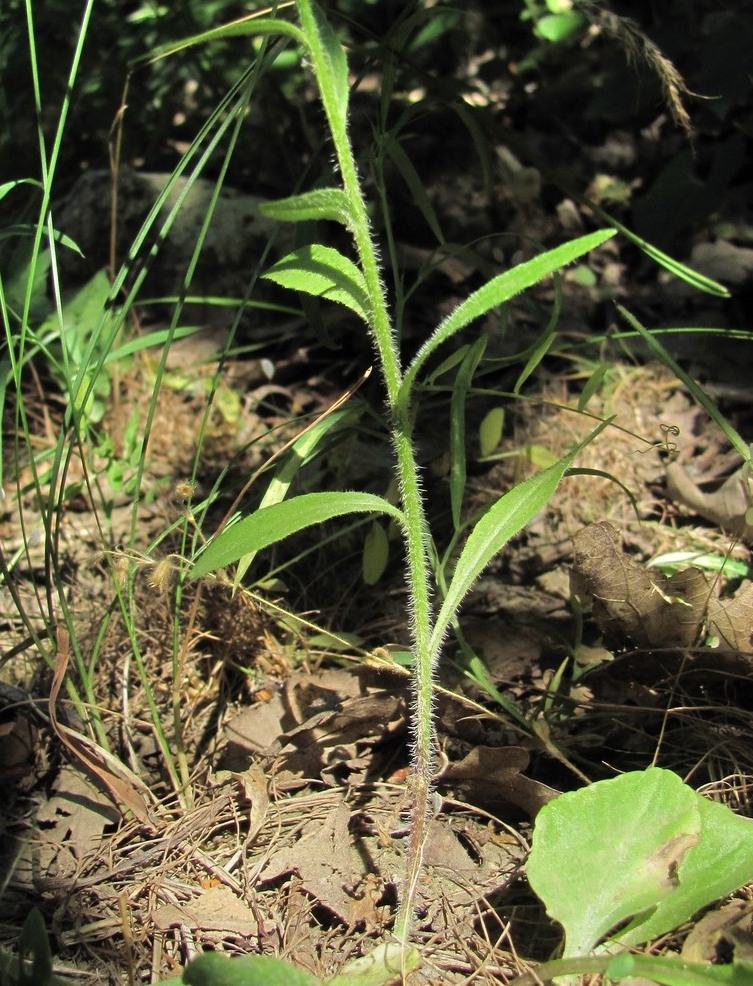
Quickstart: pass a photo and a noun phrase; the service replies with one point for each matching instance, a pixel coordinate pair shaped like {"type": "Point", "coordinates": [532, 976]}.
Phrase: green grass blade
{"type": "Point", "coordinates": [275, 523]}
{"type": "Point", "coordinates": [499, 290]}
{"type": "Point", "coordinates": [687, 274]}
{"type": "Point", "coordinates": [695, 389]}
{"type": "Point", "coordinates": [411, 178]}
{"type": "Point", "coordinates": [325, 273]}
{"type": "Point", "coordinates": [457, 426]}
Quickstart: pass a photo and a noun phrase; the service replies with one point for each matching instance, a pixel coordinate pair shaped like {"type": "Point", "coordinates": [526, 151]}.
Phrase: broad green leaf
{"type": "Point", "coordinates": [493, 530]}
{"type": "Point", "coordinates": [458, 402]}
{"type": "Point", "coordinates": [376, 553]}
{"type": "Point", "coordinates": [499, 290]}
{"type": "Point", "coordinates": [719, 864]}
{"type": "Point", "coordinates": [607, 852]}
{"type": "Point", "coordinates": [325, 273]}
{"type": "Point", "coordinates": [695, 389]}
{"type": "Point", "coordinates": [213, 969]}
{"type": "Point", "coordinates": [320, 203]}
{"type": "Point", "coordinates": [268, 525]}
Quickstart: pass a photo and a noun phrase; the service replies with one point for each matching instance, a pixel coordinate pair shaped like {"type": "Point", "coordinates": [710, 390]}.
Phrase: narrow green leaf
{"type": "Point", "coordinates": [458, 403]}
{"type": "Point", "coordinates": [684, 273]}
{"type": "Point", "coordinates": [250, 26]}
{"type": "Point", "coordinates": [302, 451]}
{"type": "Point", "coordinates": [416, 187]}
{"type": "Point", "coordinates": [508, 515]}
{"type": "Point", "coordinates": [592, 385]}
{"type": "Point", "coordinates": [8, 186]}
{"type": "Point", "coordinates": [335, 86]}
{"type": "Point", "coordinates": [325, 273]}
{"type": "Point", "coordinates": [269, 525]}
{"type": "Point", "coordinates": [499, 290]}
{"type": "Point", "coordinates": [695, 389]}
{"type": "Point", "coordinates": [320, 203]}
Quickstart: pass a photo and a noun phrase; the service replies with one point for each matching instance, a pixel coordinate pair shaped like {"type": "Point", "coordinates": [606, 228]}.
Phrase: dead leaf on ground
{"type": "Point", "coordinates": [494, 775]}
{"type": "Point", "coordinates": [215, 910]}
{"type": "Point", "coordinates": [728, 507]}
{"type": "Point", "coordinates": [321, 725]}
{"type": "Point", "coordinates": [330, 870]}
{"type": "Point", "coordinates": [649, 608]}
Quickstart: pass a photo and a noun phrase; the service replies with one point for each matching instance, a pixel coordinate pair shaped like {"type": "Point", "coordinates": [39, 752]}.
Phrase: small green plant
{"type": "Point", "coordinates": [33, 964]}
{"type": "Point", "coordinates": [320, 270]}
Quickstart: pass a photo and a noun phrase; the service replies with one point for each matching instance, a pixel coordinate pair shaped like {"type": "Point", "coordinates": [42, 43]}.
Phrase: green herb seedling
{"type": "Point", "coordinates": [324, 272]}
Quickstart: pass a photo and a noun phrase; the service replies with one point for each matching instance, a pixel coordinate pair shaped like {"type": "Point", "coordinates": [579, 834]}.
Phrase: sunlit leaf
{"type": "Point", "coordinates": [325, 273]}
{"type": "Point", "coordinates": [320, 203]}
{"type": "Point", "coordinates": [272, 524]}
{"type": "Point", "coordinates": [499, 290]}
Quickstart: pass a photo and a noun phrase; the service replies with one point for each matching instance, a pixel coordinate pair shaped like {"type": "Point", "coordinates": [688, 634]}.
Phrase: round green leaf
{"type": "Point", "coordinates": [607, 852]}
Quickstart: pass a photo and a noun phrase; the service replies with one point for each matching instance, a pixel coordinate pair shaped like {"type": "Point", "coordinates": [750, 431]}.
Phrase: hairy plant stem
{"type": "Point", "coordinates": [419, 573]}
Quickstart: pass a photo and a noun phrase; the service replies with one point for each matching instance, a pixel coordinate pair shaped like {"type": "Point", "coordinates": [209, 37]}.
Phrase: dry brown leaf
{"type": "Point", "coordinates": [126, 789]}
{"type": "Point", "coordinates": [217, 909]}
{"type": "Point", "coordinates": [493, 775]}
{"type": "Point", "coordinates": [651, 609]}
{"type": "Point", "coordinates": [322, 724]}
{"type": "Point", "coordinates": [732, 620]}
{"type": "Point", "coordinates": [330, 870]}
{"type": "Point", "coordinates": [728, 507]}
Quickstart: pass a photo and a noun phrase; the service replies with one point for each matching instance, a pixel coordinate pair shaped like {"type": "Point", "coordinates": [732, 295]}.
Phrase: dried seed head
{"type": "Point", "coordinates": [185, 489]}
{"type": "Point", "coordinates": [121, 567]}
{"type": "Point", "coordinates": [160, 575]}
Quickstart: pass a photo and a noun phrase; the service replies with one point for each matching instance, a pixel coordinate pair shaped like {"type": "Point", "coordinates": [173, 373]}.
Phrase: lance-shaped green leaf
{"type": "Point", "coordinates": [243, 27]}
{"type": "Point", "coordinates": [499, 290]}
{"type": "Point", "coordinates": [320, 203]}
{"type": "Point", "coordinates": [302, 451]}
{"type": "Point", "coordinates": [332, 74]}
{"type": "Point", "coordinates": [325, 273]}
{"type": "Point", "coordinates": [272, 524]}
{"type": "Point", "coordinates": [502, 521]}
{"type": "Point", "coordinates": [457, 426]}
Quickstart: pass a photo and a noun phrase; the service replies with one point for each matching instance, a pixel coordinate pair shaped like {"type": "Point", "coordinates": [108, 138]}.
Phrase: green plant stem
{"type": "Point", "coordinates": [416, 528]}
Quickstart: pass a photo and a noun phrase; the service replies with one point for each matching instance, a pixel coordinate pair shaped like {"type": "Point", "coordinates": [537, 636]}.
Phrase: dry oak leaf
{"type": "Point", "coordinates": [646, 606]}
